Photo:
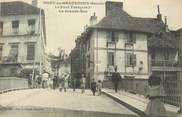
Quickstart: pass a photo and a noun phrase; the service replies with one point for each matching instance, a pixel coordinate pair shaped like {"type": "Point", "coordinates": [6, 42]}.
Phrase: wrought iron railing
{"type": "Point", "coordinates": [167, 63]}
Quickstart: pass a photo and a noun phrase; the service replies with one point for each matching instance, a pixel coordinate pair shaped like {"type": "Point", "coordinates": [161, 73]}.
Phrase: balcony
{"type": "Point", "coordinates": [111, 44]}
{"type": "Point", "coordinates": [166, 65]}
{"type": "Point", "coordinates": [12, 60]}
{"type": "Point", "coordinates": [109, 70]}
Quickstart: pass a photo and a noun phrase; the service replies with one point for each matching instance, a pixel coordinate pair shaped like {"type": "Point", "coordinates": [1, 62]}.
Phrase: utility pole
{"type": "Point", "coordinates": [60, 59]}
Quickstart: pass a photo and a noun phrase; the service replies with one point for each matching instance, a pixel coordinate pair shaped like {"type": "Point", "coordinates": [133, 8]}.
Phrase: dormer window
{"type": "Point", "coordinates": [15, 26]}
{"type": "Point", "coordinates": [31, 25]}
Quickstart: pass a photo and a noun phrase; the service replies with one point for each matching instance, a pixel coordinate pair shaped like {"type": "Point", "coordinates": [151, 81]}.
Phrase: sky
{"type": "Point", "coordinates": [63, 28]}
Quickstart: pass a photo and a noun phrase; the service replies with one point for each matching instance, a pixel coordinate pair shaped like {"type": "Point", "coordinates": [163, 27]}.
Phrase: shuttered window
{"type": "Point", "coordinates": [130, 60]}
{"type": "Point", "coordinates": [131, 38]}
{"type": "Point", "coordinates": [112, 36]}
{"type": "Point", "coordinates": [111, 58]}
{"type": "Point", "coordinates": [31, 24]}
{"type": "Point", "coordinates": [108, 36]}
{"type": "Point", "coordinates": [88, 61]}
{"type": "Point", "coordinates": [13, 53]}
{"type": "Point", "coordinates": [15, 26]}
{"type": "Point", "coordinates": [30, 52]}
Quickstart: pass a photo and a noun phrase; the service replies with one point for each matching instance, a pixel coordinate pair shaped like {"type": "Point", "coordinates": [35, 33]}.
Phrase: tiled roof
{"type": "Point", "coordinates": [21, 8]}
{"type": "Point", "coordinates": [17, 8]}
{"type": "Point", "coordinates": [123, 21]}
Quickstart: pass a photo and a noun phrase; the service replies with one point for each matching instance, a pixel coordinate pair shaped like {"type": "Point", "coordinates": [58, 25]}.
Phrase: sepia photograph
{"type": "Point", "coordinates": [90, 58]}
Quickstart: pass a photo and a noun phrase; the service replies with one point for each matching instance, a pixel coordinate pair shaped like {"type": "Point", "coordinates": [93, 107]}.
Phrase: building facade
{"type": "Point", "coordinates": [136, 46]}
{"type": "Point", "coordinates": [22, 35]}
{"type": "Point", "coordinates": [165, 62]}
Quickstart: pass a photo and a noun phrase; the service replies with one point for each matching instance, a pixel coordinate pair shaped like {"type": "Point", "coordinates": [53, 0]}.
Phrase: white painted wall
{"type": "Point", "coordinates": [23, 24]}
{"type": "Point", "coordinates": [140, 49]}
{"type": "Point", "coordinates": [22, 37]}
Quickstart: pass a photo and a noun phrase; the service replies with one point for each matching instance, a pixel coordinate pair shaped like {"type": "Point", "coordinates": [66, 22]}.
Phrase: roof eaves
{"type": "Point", "coordinates": [17, 8]}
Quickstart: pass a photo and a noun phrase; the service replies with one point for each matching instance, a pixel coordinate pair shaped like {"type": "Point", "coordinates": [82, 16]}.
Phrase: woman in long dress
{"type": "Point", "coordinates": [155, 107]}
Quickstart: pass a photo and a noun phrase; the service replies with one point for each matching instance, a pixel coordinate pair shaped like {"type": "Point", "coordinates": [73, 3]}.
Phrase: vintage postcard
{"type": "Point", "coordinates": [90, 58]}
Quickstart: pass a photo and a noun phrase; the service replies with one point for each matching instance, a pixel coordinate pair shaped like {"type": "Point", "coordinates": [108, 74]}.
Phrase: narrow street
{"type": "Point", "coordinates": [39, 102]}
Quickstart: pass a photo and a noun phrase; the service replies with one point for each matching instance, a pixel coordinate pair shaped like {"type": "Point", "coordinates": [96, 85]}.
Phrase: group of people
{"type": "Point", "coordinates": [155, 93]}
{"type": "Point", "coordinates": [63, 83]}
{"type": "Point", "coordinates": [96, 86]}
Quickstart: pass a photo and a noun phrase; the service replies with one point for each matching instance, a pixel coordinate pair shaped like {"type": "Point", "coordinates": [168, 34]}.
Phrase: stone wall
{"type": "Point", "coordinates": [7, 83]}
{"type": "Point", "coordinates": [137, 86]}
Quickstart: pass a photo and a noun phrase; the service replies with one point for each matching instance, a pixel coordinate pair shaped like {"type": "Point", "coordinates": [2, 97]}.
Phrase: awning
{"type": "Point", "coordinates": [29, 71]}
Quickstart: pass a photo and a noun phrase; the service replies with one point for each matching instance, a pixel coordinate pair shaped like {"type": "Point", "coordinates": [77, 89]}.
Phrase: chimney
{"type": "Point", "coordinates": [166, 26]}
{"type": "Point", "coordinates": [113, 7]}
{"type": "Point", "coordinates": [34, 3]}
{"type": "Point", "coordinates": [159, 16]}
{"type": "Point", "coordinates": [180, 38]}
{"type": "Point", "coordinates": [93, 20]}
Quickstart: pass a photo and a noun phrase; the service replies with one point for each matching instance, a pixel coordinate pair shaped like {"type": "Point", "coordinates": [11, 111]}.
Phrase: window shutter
{"type": "Point", "coordinates": [1, 24]}
{"type": "Point", "coordinates": [127, 59]}
{"type": "Point", "coordinates": [30, 52]}
{"type": "Point", "coordinates": [134, 37]}
{"type": "Point", "coordinates": [13, 53]}
{"type": "Point", "coordinates": [134, 60]}
{"type": "Point", "coordinates": [1, 51]}
{"type": "Point", "coordinates": [112, 62]}
{"type": "Point", "coordinates": [108, 36]}
{"type": "Point", "coordinates": [111, 58]}
{"type": "Point", "coordinates": [116, 36]}
{"type": "Point", "coordinates": [112, 36]}
{"type": "Point", "coordinates": [1, 28]}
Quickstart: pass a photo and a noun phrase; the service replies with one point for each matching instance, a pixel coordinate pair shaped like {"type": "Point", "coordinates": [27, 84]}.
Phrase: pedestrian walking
{"type": "Point", "coordinates": [116, 79]}
{"type": "Point", "coordinates": [83, 81]}
{"type": "Point", "coordinates": [29, 81]}
{"type": "Point", "coordinates": [93, 86]}
{"type": "Point", "coordinates": [55, 81]}
{"type": "Point", "coordinates": [99, 87]}
{"type": "Point", "coordinates": [50, 83]}
{"type": "Point", "coordinates": [74, 83]}
{"type": "Point", "coordinates": [61, 84]}
{"type": "Point", "coordinates": [65, 82]}
{"type": "Point", "coordinates": [155, 93]}
{"type": "Point", "coordinates": [43, 84]}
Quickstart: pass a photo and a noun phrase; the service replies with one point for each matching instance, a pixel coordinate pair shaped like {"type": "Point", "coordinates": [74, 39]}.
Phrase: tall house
{"type": "Point", "coordinates": [136, 46]}
{"type": "Point", "coordinates": [22, 36]}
